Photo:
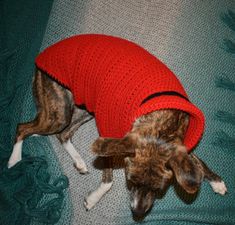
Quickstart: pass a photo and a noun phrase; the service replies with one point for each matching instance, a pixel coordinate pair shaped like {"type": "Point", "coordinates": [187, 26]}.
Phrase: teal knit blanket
{"type": "Point", "coordinates": [33, 191]}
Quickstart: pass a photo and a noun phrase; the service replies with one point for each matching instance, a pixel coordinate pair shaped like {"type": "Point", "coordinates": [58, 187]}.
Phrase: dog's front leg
{"type": "Point", "coordinates": [107, 180]}
{"type": "Point", "coordinates": [216, 183]}
{"type": "Point", "coordinates": [108, 148]}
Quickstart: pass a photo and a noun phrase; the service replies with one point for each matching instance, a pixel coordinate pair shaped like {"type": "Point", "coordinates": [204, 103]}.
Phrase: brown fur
{"type": "Point", "coordinates": [155, 154]}
{"type": "Point", "coordinates": [153, 150]}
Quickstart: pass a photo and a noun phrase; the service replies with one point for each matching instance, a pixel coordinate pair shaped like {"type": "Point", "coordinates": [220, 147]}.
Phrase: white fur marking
{"type": "Point", "coordinates": [94, 197]}
{"type": "Point", "coordinates": [35, 135]}
{"type": "Point", "coordinates": [218, 187]}
{"type": "Point", "coordinates": [78, 161]}
{"type": "Point", "coordinates": [134, 203]}
{"type": "Point", "coordinates": [16, 154]}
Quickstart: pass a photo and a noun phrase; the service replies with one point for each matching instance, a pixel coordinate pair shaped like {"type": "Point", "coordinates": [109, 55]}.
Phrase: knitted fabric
{"type": "Point", "coordinates": [112, 77]}
{"type": "Point", "coordinates": [34, 191]}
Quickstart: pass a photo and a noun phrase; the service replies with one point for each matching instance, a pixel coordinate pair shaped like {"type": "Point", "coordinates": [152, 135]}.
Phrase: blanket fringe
{"type": "Point", "coordinates": [229, 19]}
{"type": "Point", "coordinates": [29, 183]}
{"type": "Point", "coordinates": [223, 140]}
{"type": "Point", "coordinates": [226, 83]}
{"type": "Point", "coordinates": [229, 46]}
{"type": "Point", "coordinates": [225, 117]}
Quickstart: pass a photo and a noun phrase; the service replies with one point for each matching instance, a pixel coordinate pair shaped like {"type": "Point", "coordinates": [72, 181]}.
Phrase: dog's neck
{"type": "Point", "coordinates": [162, 128]}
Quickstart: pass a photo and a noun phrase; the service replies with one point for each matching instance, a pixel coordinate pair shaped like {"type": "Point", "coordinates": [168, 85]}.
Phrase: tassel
{"type": "Point", "coordinates": [226, 83]}
{"type": "Point", "coordinates": [33, 190]}
{"type": "Point", "coordinates": [223, 140]}
{"type": "Point", "coordinates": [225, 117]}
{"type": "Point", "coordinates": [229, 46]}
{"type": "Point", "coordinates": [229, 19]}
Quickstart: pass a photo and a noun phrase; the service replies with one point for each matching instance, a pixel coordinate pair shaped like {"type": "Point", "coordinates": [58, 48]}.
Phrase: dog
{"type": "Point", "coordinates": [142, 113]}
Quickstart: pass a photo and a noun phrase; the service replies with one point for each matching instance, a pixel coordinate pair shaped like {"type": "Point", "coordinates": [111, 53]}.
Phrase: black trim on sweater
{"type": "Point", "coordinates": [158, 94]}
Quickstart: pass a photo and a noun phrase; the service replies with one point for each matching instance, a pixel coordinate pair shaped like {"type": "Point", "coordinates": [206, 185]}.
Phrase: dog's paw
{"type": "Point", "coordinates": [12, 162]}
{"type": "Point", "coordinates": [219, 187]}
{"type": "Point", "coordinates": [81, 167]}
{"type": "Point", "coordinates": [79, 163]}
{"type": "Point", "coordinates": [90, 202]}
{"type": "Point", "coordinates": [97, 145]}
{"type": "Point", "coordinates": [94, 197]}
{"type": "Point", "coordinates": [16, 154]}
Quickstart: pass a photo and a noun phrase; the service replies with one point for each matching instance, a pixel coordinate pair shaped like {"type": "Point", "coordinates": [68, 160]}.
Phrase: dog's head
{"type": "Point", "coordinates": [150, 171]}
{"type": "Point", "coordinates": [152, 160]}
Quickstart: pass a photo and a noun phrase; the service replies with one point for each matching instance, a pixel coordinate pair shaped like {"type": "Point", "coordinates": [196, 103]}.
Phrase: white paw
{"type": "Point", "coordinates": [94, 197]}
{"type": "Point", "coordinates": [218, 187]}
{"type": "Point", "coordinates": [81, 167]}
{"type": "Point", "coordinates": [90, 201]}
{"type": "Point", "coordinates": [16, 154]}
{"type": "Point", "coordinates": [12, 162]}
{"type": "Point", "coordinates": [77, 159]}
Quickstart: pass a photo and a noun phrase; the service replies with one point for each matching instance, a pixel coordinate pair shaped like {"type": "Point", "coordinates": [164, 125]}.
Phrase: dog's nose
{"type": "Point", "coordinates": [141, 202]}
{"type": "Point", "coordinates": [138, 213]}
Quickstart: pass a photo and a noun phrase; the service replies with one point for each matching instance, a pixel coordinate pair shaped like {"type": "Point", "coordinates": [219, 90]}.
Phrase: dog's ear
{"type": "Point", "coordinates": [106, 147]}
{"type": "Point", "coordinates": [186, 171]}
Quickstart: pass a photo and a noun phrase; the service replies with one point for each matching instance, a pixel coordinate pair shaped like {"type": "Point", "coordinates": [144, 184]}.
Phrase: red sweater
{"type": "Point", "coordinates": [113, 78]}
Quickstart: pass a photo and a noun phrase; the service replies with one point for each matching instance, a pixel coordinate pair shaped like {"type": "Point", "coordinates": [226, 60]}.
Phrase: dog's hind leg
{"type": "Point", "coordinates": [79, 117]}
{"type": "Point", "coordinates": [55, 110]}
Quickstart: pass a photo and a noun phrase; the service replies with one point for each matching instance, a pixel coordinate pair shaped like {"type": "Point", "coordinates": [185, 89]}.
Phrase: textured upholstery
{"type": "Point", "coordinates": [187, 36]}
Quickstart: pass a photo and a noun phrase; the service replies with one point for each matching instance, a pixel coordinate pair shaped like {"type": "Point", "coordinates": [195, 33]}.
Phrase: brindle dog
{"type": "Point", "coordinates": [153, 150]}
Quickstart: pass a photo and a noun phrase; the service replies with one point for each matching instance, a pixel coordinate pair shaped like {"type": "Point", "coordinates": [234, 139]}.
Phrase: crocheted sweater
{"type": "Point", "coordinates": [118, 81]}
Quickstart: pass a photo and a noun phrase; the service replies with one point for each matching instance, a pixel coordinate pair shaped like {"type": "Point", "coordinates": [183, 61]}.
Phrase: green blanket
{"type": "Point", "coordinates": [31, 191]}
